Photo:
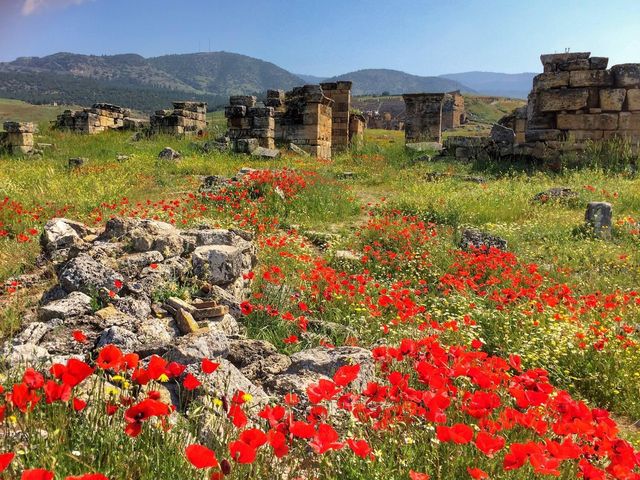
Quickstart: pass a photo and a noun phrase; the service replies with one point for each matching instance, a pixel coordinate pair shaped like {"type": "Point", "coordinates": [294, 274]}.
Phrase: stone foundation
{"type": "Point", "coordinates": [187, 118]}
{"type": "Point", "coordinates": [246, 122]}
{"type": "Point", "coordinates": [99, 118]}
{"type": "Point", "coordinates": [18, 137]}
{"type": "Point", "coordinates": [453, 112]}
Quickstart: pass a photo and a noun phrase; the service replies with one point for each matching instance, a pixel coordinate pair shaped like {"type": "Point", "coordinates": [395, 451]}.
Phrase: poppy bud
{"type": "Point", "coordinates": [225, 466]}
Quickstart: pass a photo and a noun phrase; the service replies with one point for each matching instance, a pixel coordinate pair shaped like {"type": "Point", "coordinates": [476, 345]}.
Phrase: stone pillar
{"type": "Point", "coordinates": [249, 126]}
{"type": "Point", "coordinates": [599, 216]}
{"type": "Point", "coordinates": [19, 136]}
{"type": "Point", "coordinates": [423, 117]}
{"type": "Point", "coordinates": [453, 114]}
{"type": "Point", "coordinates": [340, 93]}
{"type": "Point", "coordinates": [356, 129]}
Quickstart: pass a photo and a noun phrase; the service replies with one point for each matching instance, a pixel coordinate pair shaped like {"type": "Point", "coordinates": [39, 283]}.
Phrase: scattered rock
{"type": "Point", "coordinates": [77, 162]}
{"type": "Point", "coordinates": [555, 193]}
{"type": "Point", "coordinates": [265, 152]}
{"type": "Point", "coordinates": [218, 264]}
{"type": "Point", "coordinates": [297, 150]}
{"type": "Point", "coordinates": [502, 134]}
{"type": "Point", "coordinates": [194, 347]}
{"type": "Point", "coordinates": [85, 274]}
{"type": "Point", "coordinates": [473, 238]}
{"type": "Point", "coordinates": [76, 303]}
{"type": "Point", "coordinates": [169, 153]}
{"type": "Point", "coordinates": [599, 217]}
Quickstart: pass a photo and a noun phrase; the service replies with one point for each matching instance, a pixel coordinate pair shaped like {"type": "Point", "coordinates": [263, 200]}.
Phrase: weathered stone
{"type": "Point", "coordinates": [612, 99]}
{"type": "Point", "coordinates": [502, 134]}
{"type": "Point", "coordinates": [76, 303]}
{"type": "Point", "coordinates": [122, 338]}
{"type": "Point", "coordinates": [226, 324]}
{"type": "Point", "coordinates": [169, 153]}
{"type": "Point", "coordinates": [598, 63]}
{"type": "Point", "coordinates": [633, 100]}
{"type": "Point", "coordinates": [61, 233]}
{"type": "Point", "coordinates": [626, 75]}
{"type": "Point", "coordinates": [226, 298]}
{"type": "Point", "coordinates": [558, 100]}
{"type": "Point", "coordinates": [543, 135]}
{"type": "Point", "coordinates": [545, 81]}
{"type": "Point", "coordinates": [194, 347]}
{"type": "Point", "coordinates": [629, 121]}
{"type": "Point", "coordinates": [591, 78]}
{"type": "Point", "coordinates": [263, 369]}
{"type": "Point", "coordinates": [599, 216]}
{"type": "Point", "coordinates": [266, 152]}
{"type": "Point", "coordinates": [218, 264]}
{"type": "Point", "coordinates": [423, 117]}
{"type": "Point", "coordinates": [245, 351]}
{"type": "Point", "coordinates": [86, 275]}
{"type": "Point", "coordinates": [473, 238]}
{"type": "Point", "coordinates": [602, 121]}
{"type": "Point", "coordinates": [555, 193]}
{"type": "Point", "coordinates": [326, 361]}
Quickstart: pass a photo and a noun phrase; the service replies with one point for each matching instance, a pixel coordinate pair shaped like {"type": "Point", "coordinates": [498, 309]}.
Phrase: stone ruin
{"type": "Point", "coordinates": [357, 125]}
{"type": "Point", "coordinates": [423, 117]}
{"type": "Point", "coordinates": [186, 118]}
{"type": "Point", "coordinates": [453, 112]}
{"type": "Point", "coordinates": [314, 118]}
{"type": "Point", "coordinates": [106, 286]}
{"type": "Point", "coordinates": [18, 137]}
{"type": "Point", "coordinates": [428, 114]}
{"type": "Point", "coordinates": [99, 118]}
{"type": "Point", "coordinates": [575, 101]}
{"type": "Point", "coordinates": [383, 121]}
{"type": "Point", "coordinates": [249, 126]}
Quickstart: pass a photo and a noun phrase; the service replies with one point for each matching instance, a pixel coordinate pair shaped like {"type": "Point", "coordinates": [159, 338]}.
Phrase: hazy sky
{"type": "Point", "coordinates": [329, 37]}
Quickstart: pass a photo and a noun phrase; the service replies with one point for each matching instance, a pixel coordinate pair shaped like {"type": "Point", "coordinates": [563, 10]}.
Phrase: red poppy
{"type": "Point", "coordinates": [117, 283]}
{"type": "Point", "coordinates": [346, 374]}
{"type": "Point", "coordinates": [242, 452]}
{"type": "Point", "coordinates": [477, 473]}
{"type": "Point", "coordinates": [78, 336]}
{"type": "Point", "coordinates": [302, 429]}
{"type": "Point", "coordinates": [458, 433]}
{"type": "Point", "coordinates": [201, 456]}
{"type": "Point", "coordinates": [153, 266]}
{"type": "Point", "coordinates": [489, 444]}
{"type": "Point", "coordinates": [78, 404]}
{"type": "Point", "coordinates": [291, 339]}
{"type": "Point", "coordinates": [37, 474]}
{"type": "Point", "coordinates": [33, 379]}
{"type": "Point", "coordinates": [142, 411]}
{"type": "Point", "coordinates": [291, 399]}
{"type": "Point", "coordinates": [110, 358]}
{"type": "Point", "coordinates": [5, 460]}
{"type": "Point", "coordinates": [88, 476]}
{"type": "Point", "coordinates": [325, 439]}
{"type": "Point", "coordinates": [190, 382]}
{"type": "Point", "coordinates": [278, 442]}
{"type": "Point", "coordinates": [418, 476]}
{"type": "Point", "coordinates": [361, 448]}
{"type": "Point", "coordinates": [208, 366]}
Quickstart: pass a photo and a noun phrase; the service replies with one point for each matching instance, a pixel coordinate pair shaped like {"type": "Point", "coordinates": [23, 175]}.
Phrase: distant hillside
{"type": "Point", "coordinates": [380, 81]}
{"type": "Point", "coordinates": [516, 85]}
{"type": "Point", "coordinates": [311, 79]}
{"type": "Point", "coordinates": [223, 73]}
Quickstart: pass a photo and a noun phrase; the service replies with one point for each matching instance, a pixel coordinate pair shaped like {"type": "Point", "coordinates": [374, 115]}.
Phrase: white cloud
{"type": "Point", "coordinates": [29, 7]}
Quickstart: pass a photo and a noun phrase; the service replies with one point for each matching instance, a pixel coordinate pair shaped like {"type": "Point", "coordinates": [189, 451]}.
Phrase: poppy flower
{"type": "Point", "coordinates": [291, 339]}
{"type": "Point", "coordinates": [190, 382]}
{"type": "Point", "coordinates": [200, 456]}
{"type": "Point", "coordinates": [208, 366]}
{"type": "Point", "coordinates": [302, 429]}
{"type": "Point", "coordinates": [241, 452]}
{"type": "Point", "coordinates": [418, 476]}
{"type": "Point", "coordinates": [88, 476]}
{"type": "Point", "coordinates": [37, 474]}
{"type": "Point", "coordinates": [110, 358]}
{"type": "Point", "coordinates": [153, 266]}
{"type": "Point", "coordinates": [117, 283]}
{"type": "Point", "coordinates": [147, 408]}
{"type": "Point", "coordinates": [325, 439]}
{"type": "Point", "coordinates": [5, 460]}
{"type": "Point", "coordinates": [291, 399]}
{"type": "Point", "coordinates": [34, 380]}
{"type": "Point", "coordinates": [78, 404]}
{"type": "Point", "coordinates": [477, 473]}
{"type": "Point", "coordinates": [278, 442]}
{"type": "Point", "coordinates": [78, 336]}
{"type": "Point", "coordinates": [489, 444]}
{"type": "Point", "coordinates": [361, 448]}
{"type": "Point", "coordinates": [458, 433]}
{"type": "Point", "coordinates": [346, 374]}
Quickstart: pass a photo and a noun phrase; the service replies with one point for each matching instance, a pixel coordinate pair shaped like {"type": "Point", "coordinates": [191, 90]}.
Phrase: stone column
{"type": "Point", "coordinates": [19, 136]}
{"type": "Point", "coordinates": [423, 117]}
{"type": "Point", "coordinates": [340, 93]}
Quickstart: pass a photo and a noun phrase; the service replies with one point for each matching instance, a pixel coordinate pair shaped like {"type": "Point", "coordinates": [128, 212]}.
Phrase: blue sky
{"type": "Point", "coordinates": [329, 37]}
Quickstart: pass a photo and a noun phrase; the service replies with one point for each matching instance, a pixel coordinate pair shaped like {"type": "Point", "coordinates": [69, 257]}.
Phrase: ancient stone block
{"type": "Point", "coordinates": [423, 117]}
{"type": "Point", "coordinates": [243, 100]}
{"type": "Point", "coordinates": [542, 135]}
{"type": "Point", "coordinates": [612, 99]}
{"type": "Point", "coordinates": [545, 81]}
{"type": "Point", "coordinates": [602, 121]}
{"type": "Point", "coordinates": [629, 121]}
{"type": "Point", "coordinates": [633, 100]}
{"type": "Point", "coordinates": [598, 63]}
{"type": "Point", "coordinates": [626, 75]}
{"type": "Point", "coordinates": [565, 61]}
{"type": "Point", "coordinates": [558, 100]}
{"type": "Point", "coordinates": [582, 135]}
{"type": "Point", "coordinates": [599, 216]}
{"type": "Point", "coordinates": [590, 78]}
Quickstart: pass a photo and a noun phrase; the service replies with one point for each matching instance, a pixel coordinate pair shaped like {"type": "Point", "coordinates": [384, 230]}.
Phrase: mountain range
{"type": "Point", "coordinates": [151, 83]}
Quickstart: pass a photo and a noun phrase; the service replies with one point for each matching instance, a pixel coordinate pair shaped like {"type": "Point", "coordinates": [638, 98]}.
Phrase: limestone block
{"type": "Point", "coordinates": [545, 81]}
{"type": "Point", "coordinates": [542, 135]}
{"type": "Point", "coordinates": [264, 122]}
{"type": "Point", "coordinates": [629, 121]}
{"type": "Point", "coordinates": [581, 135]}
{"type": "Point", "coordinates": [591, 78]}
{"type": "Point", "coordinates": [598, 63]}
{"type": "Point", "coordinates": [245, 100]}
{"type": "Point", "coordinates": [602, 121]}
{"type": "Point", "coordinates": [626, 75]}
{"type": "Point", "coordinates": [633, 100]}
{"type": "Point", "coordinates": [558, 100]}
{"type": "Point", "coordinates": [599, 216]}
{"type": "Point", "coordinates": [612, 99]}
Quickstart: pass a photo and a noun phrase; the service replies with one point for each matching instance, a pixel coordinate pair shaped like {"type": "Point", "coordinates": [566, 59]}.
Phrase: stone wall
{"type": "Point", "coordinates": [18, 137]}
{"type": "Point", "coordinates": [383, 121]}
{"type": "Point", "coordinates": [578, 99]}
{"type": "Point", "coordinates": [453, 112]}
{"type": "Point", "coordinates": [99, 118]}
{"type": "Point", "coordinates": [306, 120]}
{"type": "Point", "coordinates": [187, 118]}
{"type": "Point", "coordinates": [340, 93]}
{"type": "Point", "coordinates": [423, 121]}
{"type": "Point", "coordinates": [249, 125]}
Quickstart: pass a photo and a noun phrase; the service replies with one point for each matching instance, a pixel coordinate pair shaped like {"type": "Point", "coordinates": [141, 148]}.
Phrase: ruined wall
{"type": "Point", "coordinates": [423, 121]}
{"type": "Point", "coordinates": [577, 99]}
{"type": "Point", "coordinates": [453, 112]}
{"type": "Point", "coordinates": [340, 93]}
{"type": "Point", "coordinates": [357, 124]}
{"type": "Point", "coordinates": [18, 137]}
{"type": "Point", "coordinates": [306, 120]}
{"type": "Point", "coordinates": [187, 118]}
{"type": "Point", "coordinates": [99, 118]}
{"type": "Point", "coordinates": [249, 125]}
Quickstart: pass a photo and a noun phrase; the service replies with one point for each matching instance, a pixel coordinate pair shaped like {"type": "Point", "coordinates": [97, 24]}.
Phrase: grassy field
{"type": "Point", "coordinates": [25, 112]}
{"type": "Point", "coordinates": [558, 300]}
